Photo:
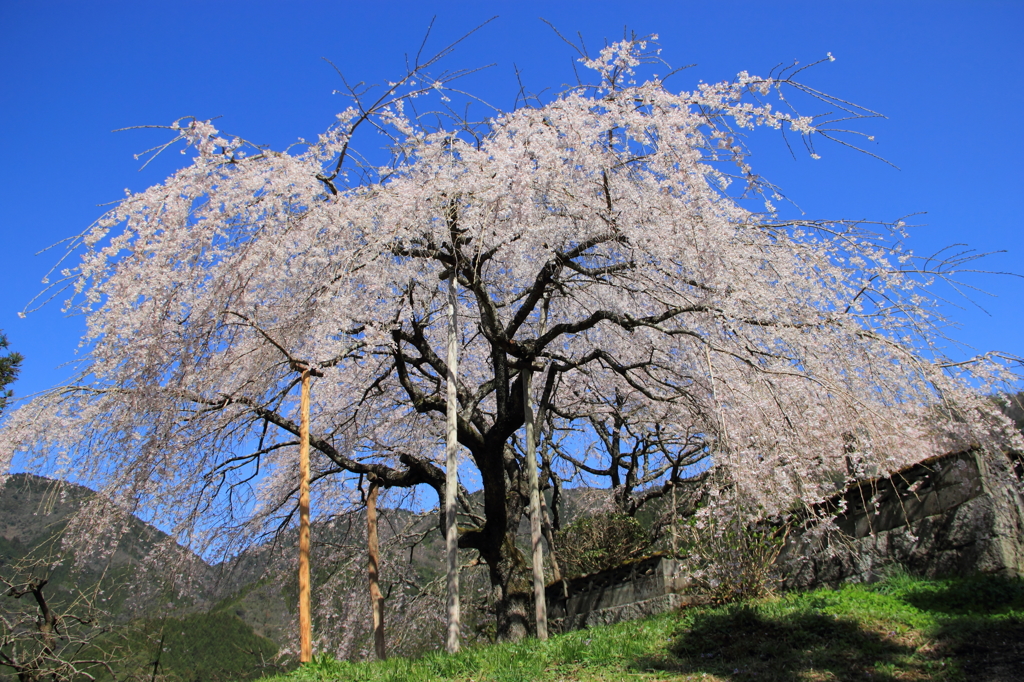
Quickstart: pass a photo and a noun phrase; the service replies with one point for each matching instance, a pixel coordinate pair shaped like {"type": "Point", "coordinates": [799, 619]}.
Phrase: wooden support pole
{"type": "Point", "coordinates": [549, 534]}
{"type": "Point", "coordinates": [674, 517]}
{"type": "Point", "coordinates": [305, 622]}
{"type": "Point", "coordinates": [376, 597]}
{"type": "Point", "coordinates": [451, 531]}
{"type": "Point", "coordinates": [536, 539]}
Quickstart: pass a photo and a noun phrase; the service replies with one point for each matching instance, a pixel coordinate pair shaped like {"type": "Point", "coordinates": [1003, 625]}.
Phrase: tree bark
{"type": "Point", "coordinates": [505, 496]}
{"type": "Point", "coordinates": [376, 598]}
{"type": "Point", "coordinates": [511, 592]}
{"type": "Point", "coordinates": [47, 623]}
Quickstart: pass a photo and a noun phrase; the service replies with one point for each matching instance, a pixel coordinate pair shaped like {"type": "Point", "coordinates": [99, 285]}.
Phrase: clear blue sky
{"type": "Point", "coordinates": [947, 75]}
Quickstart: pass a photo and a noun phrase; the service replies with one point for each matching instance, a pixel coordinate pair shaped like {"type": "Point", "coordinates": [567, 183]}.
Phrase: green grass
{"type": "Point", "coordinates": [902, 629]}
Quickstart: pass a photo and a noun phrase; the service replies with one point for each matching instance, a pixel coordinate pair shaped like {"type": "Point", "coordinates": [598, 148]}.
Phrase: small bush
{"type": "Point", "coordinates": [595, 543]}
{"type": "Point", "coordinates": [732, 560]}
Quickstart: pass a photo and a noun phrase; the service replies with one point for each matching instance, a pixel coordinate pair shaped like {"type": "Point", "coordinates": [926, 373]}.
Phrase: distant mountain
{"type": "Point", "coordinates": [34, 513]}
{"type": "Point", "coordinates": [254, 595]}
{"type": "Point", "coordinates": [248, 604]}
{"type": "Point", "coordinates": [149, 622]}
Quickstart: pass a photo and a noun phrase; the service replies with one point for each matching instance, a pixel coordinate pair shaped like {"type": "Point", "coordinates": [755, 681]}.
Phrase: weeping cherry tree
{"type": "Point", "coordinates": [689, 324]}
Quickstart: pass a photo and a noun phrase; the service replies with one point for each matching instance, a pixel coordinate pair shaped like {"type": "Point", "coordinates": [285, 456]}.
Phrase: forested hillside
{"type": "Point", "coordinates": [114, 607]}
{"type": "Point", "coordinates": [236, 618]}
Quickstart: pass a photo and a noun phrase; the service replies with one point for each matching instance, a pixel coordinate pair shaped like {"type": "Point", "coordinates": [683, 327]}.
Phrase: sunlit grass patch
{"type": "Point", "coordinates": [902, 629]}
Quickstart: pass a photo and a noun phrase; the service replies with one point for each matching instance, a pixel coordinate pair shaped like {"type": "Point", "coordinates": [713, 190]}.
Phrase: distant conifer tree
{"type": "Point", "coordinates": [10, 364]}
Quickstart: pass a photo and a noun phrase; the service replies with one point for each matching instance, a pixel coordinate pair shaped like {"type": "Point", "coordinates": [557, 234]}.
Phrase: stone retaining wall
{"type": "Point", "coordinates": [952, 515]}
{"type": "Point", "coordinates": [634, 590]}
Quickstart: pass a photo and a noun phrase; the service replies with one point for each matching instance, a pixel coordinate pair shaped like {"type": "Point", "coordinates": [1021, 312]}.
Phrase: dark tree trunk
{"type": "Point", "coordinates": [508, 570]}
{"type": "Point", "coordinates": [511, 592]}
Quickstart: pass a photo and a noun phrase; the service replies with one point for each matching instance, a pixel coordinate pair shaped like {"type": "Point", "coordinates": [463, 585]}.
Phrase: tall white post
{"type": "Point", "coordinates": [451, 531]}
{"type": "Point", "coordinates": [535, 534]}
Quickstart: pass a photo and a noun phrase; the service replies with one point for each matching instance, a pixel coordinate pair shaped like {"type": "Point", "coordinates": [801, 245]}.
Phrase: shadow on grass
{"type": "Point", "coordinates": [981, 623]}
{"type": "Point", "coordinates": [986, 650]}
{"type": "Point", "coordinates": [742, 643]}
{"type": "Point", "coordinates": [980, 594]}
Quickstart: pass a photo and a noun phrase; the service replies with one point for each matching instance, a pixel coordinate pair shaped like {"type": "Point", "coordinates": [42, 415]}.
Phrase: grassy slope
{"type": "Point", "coordinates": [902, 629]}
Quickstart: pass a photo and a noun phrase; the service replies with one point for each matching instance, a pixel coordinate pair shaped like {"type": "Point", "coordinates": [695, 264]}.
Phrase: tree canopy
{"type": "Point", "coordinates": [614, 238]}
